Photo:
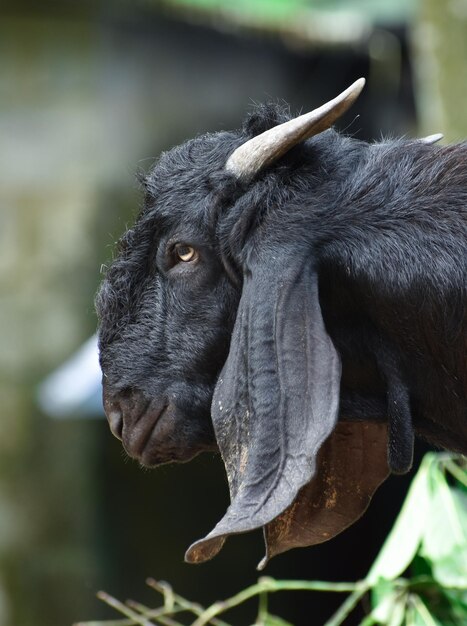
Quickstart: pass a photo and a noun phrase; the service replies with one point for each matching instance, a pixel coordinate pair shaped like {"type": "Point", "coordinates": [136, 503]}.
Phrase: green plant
{"type": "Point", "coordinates": [429, 537]}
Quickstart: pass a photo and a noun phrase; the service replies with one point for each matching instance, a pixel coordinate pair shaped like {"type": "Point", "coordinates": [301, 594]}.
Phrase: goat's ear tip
{"type": "Point", "coordinates": [262, 564]}
{"type": "Point", "coordinates": [205, 549]}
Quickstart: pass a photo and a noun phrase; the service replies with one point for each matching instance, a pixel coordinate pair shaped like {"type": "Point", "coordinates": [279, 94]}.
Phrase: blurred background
{"type": "Point", "coordinates": [90, 92]}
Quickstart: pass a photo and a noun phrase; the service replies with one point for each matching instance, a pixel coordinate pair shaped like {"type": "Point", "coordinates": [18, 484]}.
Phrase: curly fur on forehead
{"type": "Point", "coordinates": [203, 156]}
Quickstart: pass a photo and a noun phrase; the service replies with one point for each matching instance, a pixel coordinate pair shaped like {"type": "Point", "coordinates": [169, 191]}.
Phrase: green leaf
{"type": "Point", "coordinates": [390, 611]}
{"type": "Point", "coordinates": [404, 539]}
{"type": "Point", "coordinates": [452, 571]}
{"type": "Point", "coordinates": [446, 523]}
{"type": "Point", "coordinates": [381, 590]}
{"type": "Point", "coordinates": [444, 541]}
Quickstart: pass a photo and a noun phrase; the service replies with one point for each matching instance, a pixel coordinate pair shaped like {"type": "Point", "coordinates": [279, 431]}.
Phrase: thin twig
{"type": "Point", "coordinates": [194, 607]}
{"type": "Point", "coordinates": [168, 593]}
{"type": "Point", "coordinates": [422, 610]}
{"type": "Point", "coordinates": [270, 585]}
{"type": "Point", "coordinates": [262, 608]}
{"type": "Point", "coordinates": [123, 609]}
{"type": "Point", "coordinates": [160, 615]}
{"type": "Point", "coordinates": [348, 606]}
{"type": "Point", "coordinates": [110, 622]}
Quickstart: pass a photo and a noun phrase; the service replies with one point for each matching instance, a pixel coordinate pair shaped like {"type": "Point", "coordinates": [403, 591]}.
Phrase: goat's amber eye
{"type": "Point", "coordinates": [185, 253]}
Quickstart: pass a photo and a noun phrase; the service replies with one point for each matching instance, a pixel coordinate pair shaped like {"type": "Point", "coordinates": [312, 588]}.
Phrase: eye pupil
{"type": "Point", "coordinates": [185, 253]}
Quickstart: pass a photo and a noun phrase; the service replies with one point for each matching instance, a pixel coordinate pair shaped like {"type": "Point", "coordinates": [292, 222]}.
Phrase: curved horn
{"type": "Point", "coordinates": [262, 150]}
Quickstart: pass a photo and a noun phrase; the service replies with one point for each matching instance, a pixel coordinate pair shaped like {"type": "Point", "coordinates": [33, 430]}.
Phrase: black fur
{"type": "Point", "coordinates": [384, 228]}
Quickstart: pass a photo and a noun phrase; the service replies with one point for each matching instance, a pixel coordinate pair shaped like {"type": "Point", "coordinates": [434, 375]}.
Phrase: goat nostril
{"type": "Point", "coordinates": [113, 411]}
{"type": "Point", "coordinates": [115, 419]}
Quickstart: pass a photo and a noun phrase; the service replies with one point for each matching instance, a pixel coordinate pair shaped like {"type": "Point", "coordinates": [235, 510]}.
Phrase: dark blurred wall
{"type": "Point", "coordinates": [86, 98]}
{"type": "Point", "coordinates": [52, 167]}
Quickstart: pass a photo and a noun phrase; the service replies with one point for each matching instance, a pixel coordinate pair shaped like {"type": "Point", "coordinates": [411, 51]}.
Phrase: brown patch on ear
{"type": "Point", "coordinates": [352, 464]}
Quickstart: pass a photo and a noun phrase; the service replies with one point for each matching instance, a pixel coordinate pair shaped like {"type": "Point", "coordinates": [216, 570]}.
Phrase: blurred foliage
{"type": "Point", "coordinates": [322, 23]}
{"type": "Point", "coordinates": [429, 537]}
{"type": "Point", "coordinates": [440, 54]}
{"type": "Point", "coordinates": [280, 9]}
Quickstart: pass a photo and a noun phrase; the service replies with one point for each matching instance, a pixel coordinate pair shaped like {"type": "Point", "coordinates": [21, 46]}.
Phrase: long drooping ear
{"type": "Point", "coordinates": [277, 397]}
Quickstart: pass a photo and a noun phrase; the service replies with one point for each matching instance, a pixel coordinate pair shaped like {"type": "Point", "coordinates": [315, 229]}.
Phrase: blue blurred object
{"type": "Point", "coordinates": [74, 389]}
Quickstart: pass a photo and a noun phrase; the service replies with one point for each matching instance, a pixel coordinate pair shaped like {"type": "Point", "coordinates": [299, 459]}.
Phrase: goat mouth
{"type": "Point", "coordinates": [138, 433]}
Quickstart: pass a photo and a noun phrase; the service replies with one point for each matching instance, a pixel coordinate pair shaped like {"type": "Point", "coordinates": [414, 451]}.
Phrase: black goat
{"type": "Point", "coordinates": [327, 278]}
